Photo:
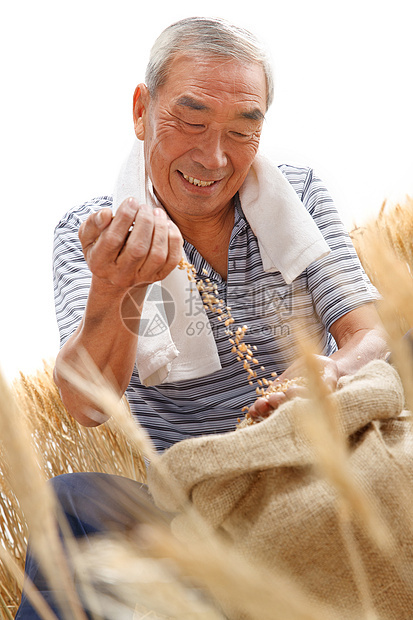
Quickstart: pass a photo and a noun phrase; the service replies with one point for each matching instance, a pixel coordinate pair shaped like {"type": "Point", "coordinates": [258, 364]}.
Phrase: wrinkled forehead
{"type": "Point", "coordinates": [200, 81]}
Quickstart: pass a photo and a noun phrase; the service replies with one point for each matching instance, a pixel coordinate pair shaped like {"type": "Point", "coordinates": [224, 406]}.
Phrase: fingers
{"type": "Point", "coordinates": [267, 404]}
{"type": "Point", "coordinates": [113, 238]}
{"type": "Point", "coordinates": [153, 248]}
{"type": "Point", "coordinates": [175, 243]}
{"type": "Point", "coordinates": [264, 406]}
{"type": "Point", "coordinates": [138, 244]}
{"type": "Point", "coordinates": [90, 230]}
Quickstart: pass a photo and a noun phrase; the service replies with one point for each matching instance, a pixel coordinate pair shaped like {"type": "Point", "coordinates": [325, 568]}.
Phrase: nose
{"type": "Point", "coordinates": [209, 150]}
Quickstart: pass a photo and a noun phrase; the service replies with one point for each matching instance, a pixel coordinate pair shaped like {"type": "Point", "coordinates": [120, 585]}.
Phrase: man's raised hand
{"type": "Point", "coordinates": [137, 246]}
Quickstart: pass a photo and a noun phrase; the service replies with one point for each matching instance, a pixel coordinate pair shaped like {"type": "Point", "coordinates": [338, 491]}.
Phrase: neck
{"type": "Point", "coordinates": [210, 235]}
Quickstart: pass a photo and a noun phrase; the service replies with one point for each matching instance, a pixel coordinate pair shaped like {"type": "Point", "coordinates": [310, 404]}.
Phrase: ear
{"type": "Point", "coordinates": [141, 99]}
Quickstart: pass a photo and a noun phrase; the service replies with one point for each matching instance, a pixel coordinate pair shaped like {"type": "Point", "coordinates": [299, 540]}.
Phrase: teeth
{"type": "Point", "coordinates": [197, 181]}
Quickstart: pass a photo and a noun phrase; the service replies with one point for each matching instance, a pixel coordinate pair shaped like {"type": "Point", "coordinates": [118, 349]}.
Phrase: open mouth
{"type": "Point", "coordinates": [197, 182]}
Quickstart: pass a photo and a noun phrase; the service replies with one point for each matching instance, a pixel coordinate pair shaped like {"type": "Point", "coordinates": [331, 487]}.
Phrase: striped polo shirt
{"type": "Point", "coordinates": [276, 314]}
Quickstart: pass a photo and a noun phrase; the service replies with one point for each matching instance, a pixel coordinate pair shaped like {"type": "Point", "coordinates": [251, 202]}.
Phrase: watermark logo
{"type": "Point", "coordinates": [159, 310]}
{"type": "Point", "coordinates": [272, 307]}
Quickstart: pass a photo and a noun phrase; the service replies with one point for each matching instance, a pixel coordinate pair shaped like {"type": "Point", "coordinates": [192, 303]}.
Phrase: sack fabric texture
{"type": "Point", "coordinates": [260, 487]}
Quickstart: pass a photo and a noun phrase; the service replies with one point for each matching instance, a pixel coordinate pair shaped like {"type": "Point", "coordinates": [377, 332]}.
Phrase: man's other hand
{"type": "Point", "coordinates": [329, 375]}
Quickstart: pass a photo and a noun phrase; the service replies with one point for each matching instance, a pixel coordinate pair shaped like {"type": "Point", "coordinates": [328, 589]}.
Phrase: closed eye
{"type": "Point", "coordinates": [194, 125]}
{"type": "Point", "coordinates": [241, 136]}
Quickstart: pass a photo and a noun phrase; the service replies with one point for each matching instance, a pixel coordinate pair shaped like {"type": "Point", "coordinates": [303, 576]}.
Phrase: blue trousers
{"type": "Point", "coordinates": [93, 503]}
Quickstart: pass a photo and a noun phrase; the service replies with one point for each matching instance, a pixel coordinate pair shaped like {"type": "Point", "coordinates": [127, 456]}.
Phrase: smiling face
{"type": "Point", "coordinates": [201, 132]}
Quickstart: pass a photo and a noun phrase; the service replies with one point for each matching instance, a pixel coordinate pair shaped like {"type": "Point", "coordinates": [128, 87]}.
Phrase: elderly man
{"type": "Point", "coordinates": [266, 240]}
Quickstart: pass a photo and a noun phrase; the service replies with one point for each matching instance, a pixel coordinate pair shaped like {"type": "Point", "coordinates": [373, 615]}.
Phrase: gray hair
{"type": "Point", "coordinates": [208, 36]}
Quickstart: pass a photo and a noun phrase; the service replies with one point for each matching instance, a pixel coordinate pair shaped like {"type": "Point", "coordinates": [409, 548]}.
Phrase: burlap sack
{"type": "Point", "coordinates": [259, 486]}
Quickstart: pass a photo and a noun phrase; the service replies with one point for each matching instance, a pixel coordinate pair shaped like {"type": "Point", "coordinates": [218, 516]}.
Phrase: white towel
{"type": "Point", "coordinates": [170, 348]}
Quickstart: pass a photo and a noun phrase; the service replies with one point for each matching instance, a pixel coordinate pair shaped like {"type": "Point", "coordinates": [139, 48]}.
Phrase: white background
{"type": "Point", "coordinates": [343, 105]}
